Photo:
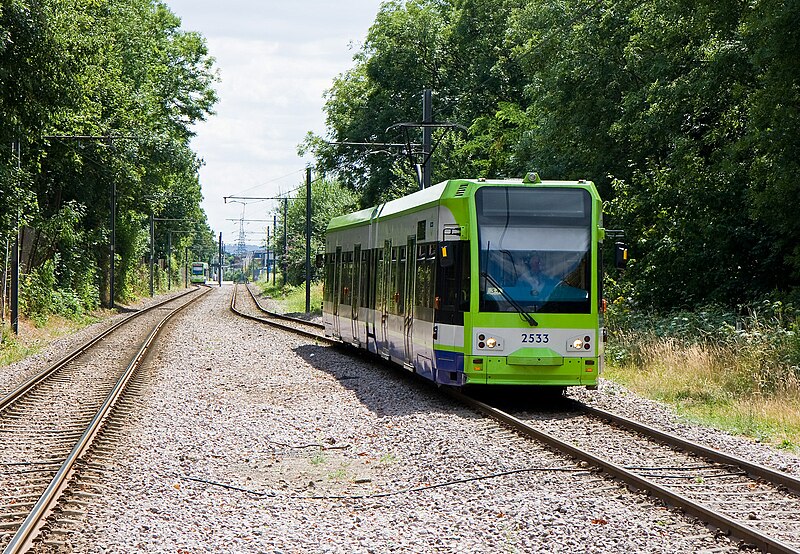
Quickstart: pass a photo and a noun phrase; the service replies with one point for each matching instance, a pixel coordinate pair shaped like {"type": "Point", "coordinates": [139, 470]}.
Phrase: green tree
{"type": "Point", "coordinates": [452, 48]}
{"type": "Point", "coordinates": [110, 68]}
{"type": "Point", "coordinates": [34, 80]}
{"type": "Point", "coordinates": [404, 53]}
{"type": "Point", "coordinates": [652, 96]}
{"type": "Point", "coordinates": [683, 113]}
{"type": "Point", "coordinates": [771, 142]}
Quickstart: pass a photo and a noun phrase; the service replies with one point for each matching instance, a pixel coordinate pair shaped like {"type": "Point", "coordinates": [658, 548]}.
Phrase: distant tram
{"type": "Point", "coordinates": [199, 273]}
{"type": "Point", "coordinates": [474, 282]}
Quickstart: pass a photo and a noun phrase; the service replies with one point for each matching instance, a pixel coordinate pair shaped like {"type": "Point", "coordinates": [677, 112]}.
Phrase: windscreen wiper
{"type": "Point", "coordinates": [525, 315]}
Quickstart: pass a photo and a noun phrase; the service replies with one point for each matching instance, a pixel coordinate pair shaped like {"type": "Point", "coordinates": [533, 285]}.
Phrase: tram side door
{"type": "Point", "coordinates": [408, 309]}
{"type": "Point", "coordinates": [337, 290]}
{"type": "Point", "coordinates": [356, 295]}
{"type": "Point", "coordinates": [383, 300]}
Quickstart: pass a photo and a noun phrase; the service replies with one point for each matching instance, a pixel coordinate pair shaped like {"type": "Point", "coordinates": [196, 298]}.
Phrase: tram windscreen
{"type": "Point", "coordinates": [535, 249]}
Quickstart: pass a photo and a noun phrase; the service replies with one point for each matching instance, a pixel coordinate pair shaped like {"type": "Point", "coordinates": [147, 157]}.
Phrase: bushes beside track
{"type": "Point", "coordinates": [739, 370]}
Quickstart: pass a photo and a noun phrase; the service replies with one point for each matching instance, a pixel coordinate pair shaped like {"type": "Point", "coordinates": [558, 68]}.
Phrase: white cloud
{"type": "Point", "coordinates": [276, 59]}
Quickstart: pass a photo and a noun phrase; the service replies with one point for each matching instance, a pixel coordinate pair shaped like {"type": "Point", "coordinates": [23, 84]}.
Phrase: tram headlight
{"type": "Point", "coordinates": [581, 343]}
{"type": "Point", "coordinates": [485, 341]}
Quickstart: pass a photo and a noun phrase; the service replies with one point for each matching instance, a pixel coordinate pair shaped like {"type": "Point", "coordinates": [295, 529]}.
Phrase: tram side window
{"type": "Point", "coordinates": [350, 279]}
{"type": "Point", "coordinates": [396, 280]}
{"type": "Point", "coordinates": [400, 283]}
{"type": "Point", "coordinates": [369, 280]}
{"type": "Point", "coordinates": [600, 267]}
{"type": "Point", "coordinates": [325, 281]}
{"type": "Point", "coordinates": [461, 296]}
{"type": "Point", "coordinates": [373, 279]}
{"type": "Point", "coordinates": [329, 270]}
{"type": "Point", "coordinates": [453, 285]}
{"type": "Point", "coordinates": [379, 282]}
{"type": "Point", "coordinates": [391, 284]}
{"type": "Point", "coordinates": [356, 279]}
{"type": "Point", "coordinates": [426, 263]}
{"type": "Point", "coordinates": [347, 278]}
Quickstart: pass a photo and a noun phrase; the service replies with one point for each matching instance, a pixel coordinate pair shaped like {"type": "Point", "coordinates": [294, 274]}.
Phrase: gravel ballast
{"type": "Point", "coordinates": [249, 439]}
{"type": "Point", "coordinates": [14, 374]}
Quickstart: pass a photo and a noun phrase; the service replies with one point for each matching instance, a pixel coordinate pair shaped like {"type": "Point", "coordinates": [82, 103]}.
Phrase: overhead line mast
{"type": "Point", "coordinates": [285, 199]}
{"type": "Point", "coordinates": [419, 155]}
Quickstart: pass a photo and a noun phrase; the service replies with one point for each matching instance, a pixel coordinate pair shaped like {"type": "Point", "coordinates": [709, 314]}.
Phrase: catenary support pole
{"type": "Point", "coordinates": [15, 254]}
{"type": "Point", "coordinates": [284, 260]}
{"type": "Point", "coordinates": [274, 250]}
{"type": "Point", "coordinates": [308, 239]}
{"type": "Point", "coordinates": [15, 282]}
{"type": "Point", "coordinates": [220, 259]}
{"type": "Point", "coordinates": [113, 240]}
{"type": "Point", "coordinates": [427, 137]}
{"type": "Point", "coordinates": [152, 253]}
{"type": "Point", "coordinates": [266, 255]}
{"type": "Point", "coordinates": [169, 261]}
{"type": "Point", "coordinates": [5, 283]}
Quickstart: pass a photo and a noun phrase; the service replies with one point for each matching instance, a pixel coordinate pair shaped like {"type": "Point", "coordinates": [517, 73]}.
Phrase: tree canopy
{"type": "Point", "coordinates": [100, 94]}
{"type": "Point", "coordinates": [328, 199]}
{"type": "Point", "coordinates": [683, 113]}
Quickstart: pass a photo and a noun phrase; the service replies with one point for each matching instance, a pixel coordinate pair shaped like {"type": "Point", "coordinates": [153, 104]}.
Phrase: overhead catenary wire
{"type": "Point", "coordinates": [270, 181]}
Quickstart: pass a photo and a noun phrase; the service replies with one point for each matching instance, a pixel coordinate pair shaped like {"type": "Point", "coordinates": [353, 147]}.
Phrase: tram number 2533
{"type": "Point", "coordinates": [539, 338]}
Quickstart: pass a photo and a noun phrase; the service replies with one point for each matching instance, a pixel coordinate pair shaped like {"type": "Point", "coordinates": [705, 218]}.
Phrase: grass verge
{"type": "Point", "coordinates": [293, 298]}
{"type": "Point", "coordinates": [738, 374]}
{"type": "Point", "coordinates": [35, 336]}
{"type": "Point", "coordinates": [37, 333]}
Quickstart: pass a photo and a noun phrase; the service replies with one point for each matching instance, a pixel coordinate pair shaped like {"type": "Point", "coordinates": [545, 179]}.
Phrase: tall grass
{"type": "Point", "coordinates": [740, 372]}
{"type": "Point", "coordinates": [293, 297]}
{"type": "Point", "coordinates": [34, 337]}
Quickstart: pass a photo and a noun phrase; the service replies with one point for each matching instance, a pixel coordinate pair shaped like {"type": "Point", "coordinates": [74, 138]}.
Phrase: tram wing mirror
{"type": "Point", "coordinates": [446, 254]}
{"type": "Point", "coordinates": [319, 262]}
{"type": "Point", "coordinates": [620, 255]}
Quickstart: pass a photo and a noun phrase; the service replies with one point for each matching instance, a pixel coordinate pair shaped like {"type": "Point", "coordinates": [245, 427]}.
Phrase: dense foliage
{"type": "Point", "coordinates": [122, 74]}
{"type": "Point", "coordinates": [684, 114]}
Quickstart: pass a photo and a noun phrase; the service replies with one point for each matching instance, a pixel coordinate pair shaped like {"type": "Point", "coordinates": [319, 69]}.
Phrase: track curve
{"type": "Point", "coordinates": [781, 536]}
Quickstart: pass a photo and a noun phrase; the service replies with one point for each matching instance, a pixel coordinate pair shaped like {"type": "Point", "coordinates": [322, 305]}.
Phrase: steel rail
{"type": "Point", "coordinates": [27, 533]}
{"type": "Point", "coordinates": [26, 386]}
{"type": "Point", "coordinates": [706, 514]}
{"type": "Point", "coordinates": [282, 316]}
{"type": "Point", "coordinates": [277, 324]}
{"type": "Point", "coordinates": [753, 469]}
{"type": "Point", "coordinates": [728, 525]}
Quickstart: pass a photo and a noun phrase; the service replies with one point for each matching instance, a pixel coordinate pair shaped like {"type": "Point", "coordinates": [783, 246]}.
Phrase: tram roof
{"type": "Point", "coordinates": [417, 199]}
{"type": "Point", "coordinates": [424, 198]}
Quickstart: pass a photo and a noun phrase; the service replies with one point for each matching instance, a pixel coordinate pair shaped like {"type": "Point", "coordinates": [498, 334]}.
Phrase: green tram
{"type": "Point", "coordinates": [490, 282]}
{"type": "Point", "coordinates": [199, 273]}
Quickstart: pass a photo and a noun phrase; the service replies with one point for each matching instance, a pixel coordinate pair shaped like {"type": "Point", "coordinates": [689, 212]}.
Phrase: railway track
{"type": "Point", "coordinates": [250, 308]}
{"type": "Point", "coordinates": [756, 504]}
{"type": "Point", "coordinates": [50, 423]}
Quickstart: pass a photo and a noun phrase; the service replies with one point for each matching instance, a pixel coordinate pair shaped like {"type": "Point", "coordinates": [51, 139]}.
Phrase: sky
{"type": "Point", "coordinates": [275, 60]}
